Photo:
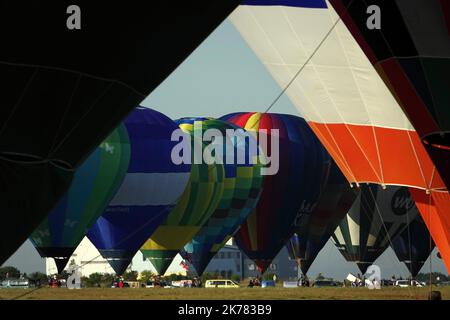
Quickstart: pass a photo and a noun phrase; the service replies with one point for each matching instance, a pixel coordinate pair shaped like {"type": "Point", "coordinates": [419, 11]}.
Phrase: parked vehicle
{"type": "Point", "coordinates": [221, 284]}
{"type": "Point", "coordinates": [15, 284]}
{"type": "Point", "coordinates": [268, 283]}
{"type": "Point", "coordinates": [408, 283]}
{"type": "Point", "coordinates": [324, 283]}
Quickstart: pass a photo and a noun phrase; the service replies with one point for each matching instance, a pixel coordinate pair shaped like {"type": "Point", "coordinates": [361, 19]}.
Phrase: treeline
{"type": "Point", "coordinates": [14, 273]}
{"type": "Point", "coordinates": [436, 277]}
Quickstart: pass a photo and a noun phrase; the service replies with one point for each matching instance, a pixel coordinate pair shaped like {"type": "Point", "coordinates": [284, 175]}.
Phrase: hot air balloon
{"type": "Point", "coordinates": [317, 62]}
{"type": "Point", "coordinates": [293, 191]}
{"type": "Point", "coordinates": [373, 222]}
{"type": "Point", "coordinates": [243, 185]}
{"type": "Point", "coordinates": [93, 186]}
{"type": "Point", "coordinates": [314, 231]}
{"type": "Point", "coordinates": [150, 190]}
{"type": "Point", "coordinates": [414, 245]}
{"type": "Point", "coordinates": [199, 201]}
{"type": "Point", "coordinates": [411, 52]}
{"type": "Point", "coordinates": [65, 90]}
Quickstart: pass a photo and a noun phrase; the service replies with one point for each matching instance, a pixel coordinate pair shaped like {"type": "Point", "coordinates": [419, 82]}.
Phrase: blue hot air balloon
{"type": "Point", "coordinates": [313, 231]}
{"type": "Point", "coordinates": [149, 191]}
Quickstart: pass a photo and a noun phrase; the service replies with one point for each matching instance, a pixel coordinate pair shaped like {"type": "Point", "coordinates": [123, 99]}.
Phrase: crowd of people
{"type": "Point", "coordinates": [255, 282]}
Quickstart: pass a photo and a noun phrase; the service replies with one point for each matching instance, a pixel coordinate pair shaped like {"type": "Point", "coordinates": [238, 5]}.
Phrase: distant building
{"type": "Point", "coordinates": [228, 262]}
{"type": "Point", "coordinates": [232, 261]}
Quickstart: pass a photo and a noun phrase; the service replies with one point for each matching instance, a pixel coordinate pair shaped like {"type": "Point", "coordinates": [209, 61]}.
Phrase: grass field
{"type": "Point", "coordinates": [223, 294]}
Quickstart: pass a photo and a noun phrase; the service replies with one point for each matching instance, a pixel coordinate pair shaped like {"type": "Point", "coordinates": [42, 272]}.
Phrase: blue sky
{"type": "Point", "coordinates": [224, 76]}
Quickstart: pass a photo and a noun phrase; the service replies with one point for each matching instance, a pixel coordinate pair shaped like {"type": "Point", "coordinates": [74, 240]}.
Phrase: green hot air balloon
{"type": "Point", "coordinates": [376, 218]}
{"type": "Point", "coordinates": [243, 186]}
{"type": "Point", "coordinates": [199, 201]}
{"type": "Point", "coordinates": [94, 185]}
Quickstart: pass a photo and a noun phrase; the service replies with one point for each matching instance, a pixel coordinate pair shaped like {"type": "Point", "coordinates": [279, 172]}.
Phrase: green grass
{"type": "Point", "coordinates": [223, 294]}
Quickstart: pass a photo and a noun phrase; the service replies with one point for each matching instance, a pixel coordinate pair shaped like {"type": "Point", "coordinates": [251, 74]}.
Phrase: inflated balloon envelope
{"type": "Point", "coordinates": [292, 192]}
{"type": "Point", "coordinates": [93, 186]}
{"type": "Point", "coordinates": [312, 232]}
{"type": "Point", "coordinates": [414, 245]}
{"type": "Point", "coordinates": [198, 202]}
{"type": "Point", "coordinates": [314, 57]}
{"type": "Point", "coordinates": [150, 189]}
{"type": "Point", "coordinates": [243, 186]}
{"type": "Point", "coordinates": [65, 90]}
{"type": "Point", "coordinates": [376, 218]}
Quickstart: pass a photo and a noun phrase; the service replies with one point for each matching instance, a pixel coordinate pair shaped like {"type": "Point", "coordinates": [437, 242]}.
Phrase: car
{"type": "Point", "coordinates": [268, 283]}
{"type": "Point", "coordinates": [220, 283]}
{"type": "Point", "coordinates": [408, 283]}
{"type": "Point", "coordinates": [324, 283]}
{"type": "Point", "coordinates": [15, 284]}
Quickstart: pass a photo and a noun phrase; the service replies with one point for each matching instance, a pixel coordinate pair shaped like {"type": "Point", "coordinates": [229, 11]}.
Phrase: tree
{"type": "Point", "coordinates": [425, 277]}
{"type": "Point", "coordinates": [236, 278]}
{"type": "Point", "coordinates": [146, 276]}
{"type": "Point", "coordinates": [130, 276]}
{"type": "Point", "coordinates": [320, 277]}
{"type": "Point", "coordinates": [94, 280]}
{"type": "Point", "coordinates": [9, 272]}
{"type": "Point", "coordinates": [209, 276]}
{"type": "Point", "coordinates": [38, 276]}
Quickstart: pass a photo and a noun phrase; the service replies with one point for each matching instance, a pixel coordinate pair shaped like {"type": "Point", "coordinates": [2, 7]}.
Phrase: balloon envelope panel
{"type": "Point", "coordinates": [148, 192]}
{"type": "Point", "coordinates": [243, 185]}
{"type": "Point", "coordinates": [290, 193]}
{"type": "Point", "coordinates": [201, 198]}
{"type": "Point", "coordinates": [373, 222]}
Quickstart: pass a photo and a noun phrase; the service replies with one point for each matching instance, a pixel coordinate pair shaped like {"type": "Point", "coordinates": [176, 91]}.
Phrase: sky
{"type": "Point", "coordinates": [224, 76]}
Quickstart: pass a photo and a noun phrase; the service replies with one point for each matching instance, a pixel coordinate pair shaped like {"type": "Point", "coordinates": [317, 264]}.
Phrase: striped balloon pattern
{"type": "Point", "coordinates": [290, 193]}
{"type": "Point", "coordinates": [200, 199]}
{"type": "Point", "coordinates": [376, 218]}
{"type": "Point", "coordinates": [243, 186]}
{"type": "Point", "coordinates": [149, 191]}
{"type": "Point", "coordinates": [93, 186]}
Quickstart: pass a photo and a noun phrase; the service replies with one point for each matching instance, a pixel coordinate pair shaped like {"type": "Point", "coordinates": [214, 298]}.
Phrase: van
{"type": "Point", "coordinates": [409, 283]}
{"type": "Point", "coordinates": [221, 284]}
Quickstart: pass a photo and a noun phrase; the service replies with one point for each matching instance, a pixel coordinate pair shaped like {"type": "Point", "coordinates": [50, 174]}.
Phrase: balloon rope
{"type": "Point", "coordinates": [409, 241]}
{"type": "Point", "coordinates": [429, 241]}
{"type": "Point", "coordinates": [274, 102]}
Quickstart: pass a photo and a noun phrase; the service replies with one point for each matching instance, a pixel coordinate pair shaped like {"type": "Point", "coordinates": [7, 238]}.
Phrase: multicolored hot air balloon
{"type": "Point", "coordinates": [414, 245]}
{"type": "Point", "coordinates": [313, 232]}
{"type": "Point", "coordinates": [203, 194]}
{"type": "Point", "coordinates": [411, 53]}
{"type": "Point", "coordinates": [150, 190]}
{"type": "Point", "coordinates": [311, 53]}
{"type": "Point", "coordinates": [292, 192]}
{"type": "Point", "coordinates": [64, 91]}
{"type": "Point", "coordinates": [93, 186]}
{"type": "Point", "coordinates": [376, 218]}
{"type": "Point", "coordinates": [243, 185]}
{"type": "Point", "coordinates": [316, 60]}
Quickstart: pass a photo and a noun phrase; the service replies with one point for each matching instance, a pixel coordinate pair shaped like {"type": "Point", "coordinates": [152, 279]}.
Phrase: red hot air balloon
{"type": "Point", "coordinates": [291, 192]}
